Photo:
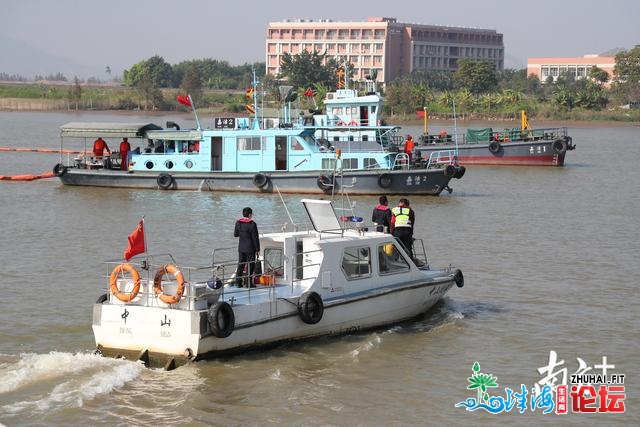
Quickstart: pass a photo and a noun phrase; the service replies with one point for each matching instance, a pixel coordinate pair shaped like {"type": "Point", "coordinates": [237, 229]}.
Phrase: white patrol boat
{"type": "Point", "coordinates": [331, 279]}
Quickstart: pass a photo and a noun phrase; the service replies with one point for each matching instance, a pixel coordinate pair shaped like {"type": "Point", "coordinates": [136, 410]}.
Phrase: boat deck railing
{"type": "Point", "coordinates": [204, 285]}
{"type": "Point", "coordinates": [442, 157]}
{"type": "Point", "coordinates": [502, 136]}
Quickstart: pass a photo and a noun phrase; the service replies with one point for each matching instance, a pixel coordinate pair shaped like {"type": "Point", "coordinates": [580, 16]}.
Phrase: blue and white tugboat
{"type": "Point", "coordinates": [258, 155]}
{"type": "Point", "coordinates": [335, 278]}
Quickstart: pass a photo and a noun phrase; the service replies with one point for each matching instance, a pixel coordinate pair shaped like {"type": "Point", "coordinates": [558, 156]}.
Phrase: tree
{"type": "Point", "coordinates": [626, 85]}
{"type": "Point", "coordinates": [307, 68]}
{"type": "Point", "coordinates": [75, 92]}
{"type": "Point", "coordinates": [148, 77]}
{"type": "Point", "coordinates": [191, 82]}
{"type": "Point", "coordinates": [477, 76]}
{"type": "Point", "coordinates": [598, 75]}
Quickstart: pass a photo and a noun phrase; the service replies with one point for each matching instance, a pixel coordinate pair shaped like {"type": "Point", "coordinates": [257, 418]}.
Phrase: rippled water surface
{"type": "Point", "coordinates": [550, 258]}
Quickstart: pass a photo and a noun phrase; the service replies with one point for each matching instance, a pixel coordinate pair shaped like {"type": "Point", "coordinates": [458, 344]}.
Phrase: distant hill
{"type": "Point", "coordinates": [24, 60]}
{"type": "Point", "coordinates": [613, 52]}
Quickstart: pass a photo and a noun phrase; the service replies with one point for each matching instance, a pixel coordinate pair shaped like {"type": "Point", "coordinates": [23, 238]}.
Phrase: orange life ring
{"type": "Point", "coordinates": [341, 123]}
{"type": "Point", "coordinates": [353, 123]}
{"type": "Point", "coordinates": [157, 283]}
{"type": "Point", "coordinates": [113, 282]}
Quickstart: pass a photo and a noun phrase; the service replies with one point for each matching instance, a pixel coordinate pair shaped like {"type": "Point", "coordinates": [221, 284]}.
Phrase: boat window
{"type": "Point", "coordinates": [371, 163]}
{"type": "Point", "coordinates": [295, 145]}
{"type": "Point", "coordinates": [273, 261]}
{"type": "Point", "coordinates": [349, 163]}
{"type": "Point", "coordinates": [328, 164]}
{"type": "Point", "coordinates": [246, 143]}
{"type": "Point", "coordinates": [356, 262]}
{"type": "Point", "coordinates": [390, 260]}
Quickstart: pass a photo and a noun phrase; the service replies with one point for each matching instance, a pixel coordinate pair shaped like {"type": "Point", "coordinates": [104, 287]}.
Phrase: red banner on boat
{"type": "Point", "coordinates": [136, 242]}
{"type": "Point", "coordinates": [184, 100]}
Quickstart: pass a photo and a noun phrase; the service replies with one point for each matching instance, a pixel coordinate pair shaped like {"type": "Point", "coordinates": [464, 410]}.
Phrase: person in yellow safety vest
{"type": "Point", "coordinates": [402, 222]}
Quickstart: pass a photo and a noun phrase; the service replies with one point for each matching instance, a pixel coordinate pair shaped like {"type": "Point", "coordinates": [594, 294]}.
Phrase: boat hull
{"type": "Point", "coordinates": [169, 338]}
{"type": "Point", "coordinates": [415, 181]}
{"type": "Point", "coordinates": [525, 153]}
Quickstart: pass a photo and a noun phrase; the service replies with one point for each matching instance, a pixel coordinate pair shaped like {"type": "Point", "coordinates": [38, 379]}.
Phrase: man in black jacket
{"type": "Point", "coordinates": [248, 245]}
{"type": "Point", "coordinates": [381, 215]}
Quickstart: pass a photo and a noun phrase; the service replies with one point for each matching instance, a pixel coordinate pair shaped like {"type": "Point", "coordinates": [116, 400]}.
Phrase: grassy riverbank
{"type": "Point", "coordinates": [61, 97]}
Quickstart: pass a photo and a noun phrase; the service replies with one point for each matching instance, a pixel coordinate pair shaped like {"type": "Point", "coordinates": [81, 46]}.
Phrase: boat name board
{"type": "Point", "coordinates": [225, 123]}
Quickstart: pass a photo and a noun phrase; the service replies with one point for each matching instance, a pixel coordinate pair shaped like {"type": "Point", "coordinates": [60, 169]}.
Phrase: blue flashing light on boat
{"type": "Point", "coordinates": [347, 218]}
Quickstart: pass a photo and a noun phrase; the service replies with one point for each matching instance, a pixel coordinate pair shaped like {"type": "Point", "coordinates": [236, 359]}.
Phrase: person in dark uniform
{"type": "Point", "coordinates": [402, 222]}
{"type": "Point", "coordinates": [248, 245]}
{"type": "Point", "coordinates": [381, 215]}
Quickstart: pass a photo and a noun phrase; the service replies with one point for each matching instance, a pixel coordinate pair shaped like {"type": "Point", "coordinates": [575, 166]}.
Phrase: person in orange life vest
{"type": "Point", "coordinates": [402, 222]}
{"type": "Point", "coordinates": [99, 146]}
{"type": "Point", "coordinates": [125, 147]}
{"type": "Point", "coordinates": [381, 215]}
{"type": "Point", "coordinates": [248, 245]}
{"type": "Point", "coordinates": [409, 145]}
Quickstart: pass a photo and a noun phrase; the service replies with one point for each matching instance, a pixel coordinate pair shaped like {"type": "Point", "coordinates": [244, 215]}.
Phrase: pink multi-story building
{"type": "Point", "coordinates": [383, 45]}
{"type": "Point", "coordinates": [578, 67]}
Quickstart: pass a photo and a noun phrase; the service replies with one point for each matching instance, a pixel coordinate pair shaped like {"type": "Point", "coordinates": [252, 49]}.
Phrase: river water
{"type": "Point", "coordinates": [550, 258]}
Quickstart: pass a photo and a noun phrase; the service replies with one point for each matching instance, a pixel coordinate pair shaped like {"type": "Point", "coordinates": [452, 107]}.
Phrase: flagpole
{"type": "Point", "coordinates": [195, 113]}
{"type": "Point", "coordinates": [145, 237]}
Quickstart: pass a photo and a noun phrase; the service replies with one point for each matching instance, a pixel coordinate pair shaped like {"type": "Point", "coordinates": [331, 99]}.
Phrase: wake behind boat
{"type": "Point", "coordinates": [328, 280]}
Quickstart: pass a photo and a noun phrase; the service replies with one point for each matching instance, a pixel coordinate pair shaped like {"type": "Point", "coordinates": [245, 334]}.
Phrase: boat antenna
{"type": "Point", "coordinates": [256, 122]}
{"type": "Point", "coordinates": [295, 227]}
{"type": "Point", "coordinates": [455, 124]}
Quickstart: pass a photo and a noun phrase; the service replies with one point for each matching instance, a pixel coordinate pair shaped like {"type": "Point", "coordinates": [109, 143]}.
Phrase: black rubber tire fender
{"type": "Point", "coordinates": [384, 180]}
{"type": "Point", "coordinates": [325, 183]}
{"type": "Point", "coordinates": [165, 181]}
{"type": "Point", "coordinates": [310, 307]}
{"type": "Point", "coordinates": [221, 319]}
{"type": "Point", "coordinates": [449, 171]}
{"type": "Point", "coordinates": [559, 146]}
{"type": "Point", "coordinates": [59, 169]}
{"type": "Point", "coordinates": [494, 147]}
{"type": "Point", "coordinates": [260, 180]}
{"type": "Point", "coordinates": [458, 277]}
{"type": "Point", "coordinates": [460, 170]}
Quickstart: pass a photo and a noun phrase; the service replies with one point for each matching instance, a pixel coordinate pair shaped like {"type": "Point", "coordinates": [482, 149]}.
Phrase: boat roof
{"type": "Point", "coordinates": [96, 129]}
{"type": "Point", "coordinates": [171, 134]}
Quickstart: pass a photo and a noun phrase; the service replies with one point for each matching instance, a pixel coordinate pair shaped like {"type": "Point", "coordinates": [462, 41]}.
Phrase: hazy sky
{"type": "Point", "coordinates": [119, 33]}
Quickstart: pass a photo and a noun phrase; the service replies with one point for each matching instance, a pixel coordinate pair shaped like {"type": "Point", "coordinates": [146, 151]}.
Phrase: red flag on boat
{"type": "Point", "coordinates": [136, 242]}
{"type": "Point", "coordinates": [184, 100]}
{"type": "Point", "coordinates": [309, 93]}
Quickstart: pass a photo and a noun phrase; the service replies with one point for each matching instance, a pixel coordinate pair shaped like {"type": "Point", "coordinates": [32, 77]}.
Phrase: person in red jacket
{"type": "Point", "coordinates": [99, 147]}
{"type": "Point", "coordinates": [248, 245]}
{"type": "Point", "coordinates": [409, 146]}
{"type": "Point", "coordinates": [125, 147]}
